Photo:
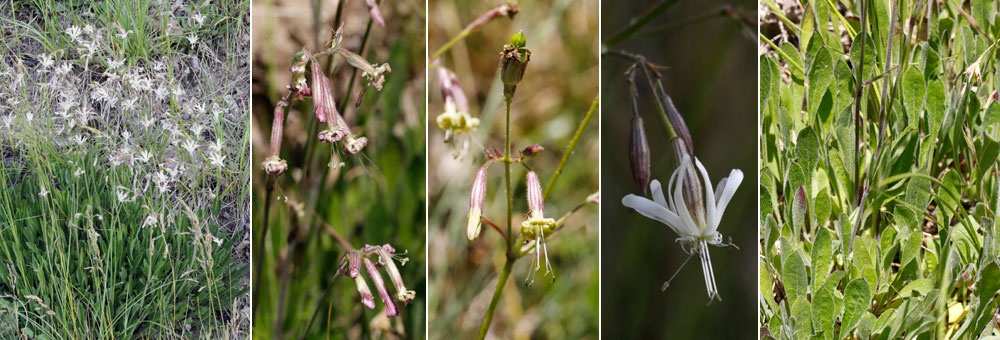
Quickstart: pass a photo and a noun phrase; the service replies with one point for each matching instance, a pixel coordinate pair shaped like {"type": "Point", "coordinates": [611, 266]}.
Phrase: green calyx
{"type": "Point", "coordinates": [518, 40]}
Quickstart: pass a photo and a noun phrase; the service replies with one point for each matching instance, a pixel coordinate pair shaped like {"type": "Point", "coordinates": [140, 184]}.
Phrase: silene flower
{"type": "Point", "coordinates": [476, 200]}
{"type": "Point", "coordinates": [537, 227]}
{"type": "Point", "coordinates": [695, 218]}
{"type": "Point", "coordinates": [456, 120]}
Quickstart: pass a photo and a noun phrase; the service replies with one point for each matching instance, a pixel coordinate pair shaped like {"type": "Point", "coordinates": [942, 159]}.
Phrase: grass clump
{"type": "Point", "coordinates": [123, 176]}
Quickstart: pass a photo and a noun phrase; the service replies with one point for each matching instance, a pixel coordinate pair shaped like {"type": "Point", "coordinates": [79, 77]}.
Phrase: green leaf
{"type": "Point", "coordinates": [822, 208]}
{"type": "Point", "coordinates": [911, 246]}
{"type": "Point", "coordinates": [921, 286]}
{"type": "Point", "coordinates": [914, 92]}
{"type": "Point", "coordinates": [991, 121]}
{"type": "Point", "coordinates": [822, 257]}
{"type": "Point", "coordinates": [766, 284]}
{"type": "Point", "coordinates": [801, 313]}
{"type": "Point", "coordinates": [793, 276]}
{"type": "Point", "coordinates": [857, 296]}
{"type": "Point", "coordinates": [819, 79]}
{"type": "Point", "coordinates": [807, 149]}
{"type": "Point", "coordinates": [823, 311]}
{"type": "Point", "coordinates": [936, 106]}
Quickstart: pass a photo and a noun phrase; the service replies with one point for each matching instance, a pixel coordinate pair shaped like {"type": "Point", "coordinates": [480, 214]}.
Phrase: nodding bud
{"type": "Point", "coordinates": [476, 200]}
{"type": "Point", "coordinates": [638, 154]}
{"type": "Point", "coordinates": [515, 58]}
{"type": "Point", "coordinates": [532, 151]}
{"type": "Point", "coordinates": [594, 198]}
{"type": "Point", "coordinates": [402, 294]}
{"type": "Point", "coordinates": [274, 165]}
{"type": "Point", "coordinates": [353, 263]}
{"type": "Point", "coordinates": [355, 144]}
{"type": "Point", "coordinates": [375, 12]}
{"type": "Point", "coordinates": [535, 203]}
{"type": "Point", "coordinates": [506, 10]}
{"type": "Point", "coordinates": [366, 294]}
{"type": "Point", "coordinates": [390, 307]}
{"type": "Point", "coordinates": [677, 123]}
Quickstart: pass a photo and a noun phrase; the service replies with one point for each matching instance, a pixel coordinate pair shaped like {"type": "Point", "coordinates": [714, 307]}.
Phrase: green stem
{"type": "Point", "coordinates": [496, 297]}
{"type": "Point", "coordinates": [638, 22]}
{"type": "Point", "coordinates": [488, 318]}
{"type": "Point", "coordinates": [258, 261]}
{"type": "Point", "coordinates": [461, 35]}
{"type": "Point", "coordinates": [570, 147]}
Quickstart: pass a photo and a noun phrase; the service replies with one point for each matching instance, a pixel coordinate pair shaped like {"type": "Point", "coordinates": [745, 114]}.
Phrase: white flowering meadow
{"type": "Point", "coordinates": [124, 159]}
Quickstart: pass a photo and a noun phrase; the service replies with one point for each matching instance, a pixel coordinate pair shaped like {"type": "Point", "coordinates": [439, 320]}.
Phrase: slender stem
{"type": "Point", "coordinates": [260, 252]}
{"type": "Point", "coordinates": [461, 35]}
{"type": "Point", "coordinates": [506, 167]}
{"type": "Point", "coordinates": [488, 319]}
{"type": "Point", "coordinates": [571, 146]}
{"type": "Point", "coordinates": [638, 22]}
{"type": "Point", "coordinates": [326, 293]}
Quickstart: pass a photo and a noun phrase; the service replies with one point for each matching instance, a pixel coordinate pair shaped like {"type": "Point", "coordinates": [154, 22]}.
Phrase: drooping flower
{"type": "Point", "coordinates": [390, 307]}
{"type": "Point", "coordinates": [476, 200]}
{"type": "Point", "coordinates": [385, 253]}
{"type": "Point", "coordinates": [354, 271]}
{"type": "Point", "coordinates": [375, 13]}
{"type": "Point", "coordinates": [537, 227]}
{"type": "Point", "coordinates": [695, 222]}
{"type": "Point", "coordinates": [456, 120]}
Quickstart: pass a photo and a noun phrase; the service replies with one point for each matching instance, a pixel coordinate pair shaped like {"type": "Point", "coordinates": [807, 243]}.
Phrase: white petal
{"type": "Point", "coordinates": [710, 218]}
{"type": "Point", "coordinates": [732, 183]}
{"type": "Point", "coordinates": [689, 227]}
{"type": "Point", "coordinates": [658, 193]}
{"type": "Point", "coordinates": [652, 210]}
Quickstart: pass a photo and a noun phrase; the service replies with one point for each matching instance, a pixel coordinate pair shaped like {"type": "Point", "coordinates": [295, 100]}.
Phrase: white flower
{"type": "Point", "coordinates": [147, 122]}
{"type": "Point", "coordinates": [123, 195]}
{"type": "Point", "coordinates": [74, 33]}
{"type": "Point", "coordinates": [150, 221]}
{"type": "Point", "coordinates": [696, 223]}
{"type": "Point", "coordinates": [8, 121]}
{"type": "Point", "coordinates": [217, 160]}
{"type": "Point", "coordinates": [44, 192]}
{"type": "Point", "coordinates": [377, 77]}
{"type": "Point", "coordinates": [200, 19]}
{"type": "Point", "coordinates": [64, 69]}
{"type": "Point", "coordinates": [192, 39]}
{"type": "Point", "coordinates": [78, 172]}
{"type": "Point", "coordinates": [144, 156]}
{"type": "Point", "coordinates": [115, 63]}
{"type": "Point", "coordinates": [190, 145]}
{"type": "Point", "coordinates": [46, 61]}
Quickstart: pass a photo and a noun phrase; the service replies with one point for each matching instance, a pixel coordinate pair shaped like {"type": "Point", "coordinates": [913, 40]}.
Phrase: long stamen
{"type": "Point", "coordinates": [666, 284]}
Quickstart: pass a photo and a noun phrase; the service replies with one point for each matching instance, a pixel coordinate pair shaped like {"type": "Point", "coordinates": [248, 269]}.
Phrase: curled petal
{"type": "Point", "coordinates": [375, 12]}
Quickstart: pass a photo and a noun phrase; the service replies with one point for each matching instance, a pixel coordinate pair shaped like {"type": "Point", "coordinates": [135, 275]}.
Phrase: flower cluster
{"type": "Point", "coordinates": [385, 258]}
{"type": "Point", "coordinates": [324, 103]}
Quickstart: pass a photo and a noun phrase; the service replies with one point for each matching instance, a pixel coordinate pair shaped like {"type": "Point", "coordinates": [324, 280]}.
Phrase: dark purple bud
{"type": "Point", "coordinates": [638, 154]}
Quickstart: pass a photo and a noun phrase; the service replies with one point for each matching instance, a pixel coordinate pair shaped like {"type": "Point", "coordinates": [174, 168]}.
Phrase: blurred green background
{"type": "Point", "coordinates": [558, 88]}
{"type": "Point", "coordinates": [712, 78]}
{"type": "Point", "coordinates": [300, 257]}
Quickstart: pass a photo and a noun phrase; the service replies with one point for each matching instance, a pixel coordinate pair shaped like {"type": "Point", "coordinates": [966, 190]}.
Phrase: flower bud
{"type": "Point", "coordinates": [476, 200]}
{"type": "Point", "coordinates": [277, 128]}
{"type": "Point", "coordinates": [594, 198]}
{"type": "Point", "coordinates": [354, 263]}
{"type": "Point", "coordinates": [375, 13]}
{"type": "Point", "coordinates": [515, 58]}
{"type": "Point", "coordinates": [638, 154]}
{"type": "Point", "coordinates": [535, 204]}
{"type": "Point", "coordinates": [390, 307]}
{"type": "Point", "coordinates": [532, 151]}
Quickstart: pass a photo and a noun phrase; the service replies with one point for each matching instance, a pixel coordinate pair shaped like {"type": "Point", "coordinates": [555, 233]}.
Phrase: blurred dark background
{"type": "Point", "coordinates": [712, 78]}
